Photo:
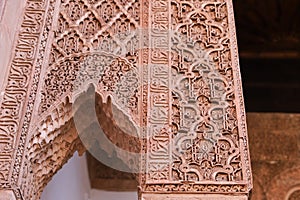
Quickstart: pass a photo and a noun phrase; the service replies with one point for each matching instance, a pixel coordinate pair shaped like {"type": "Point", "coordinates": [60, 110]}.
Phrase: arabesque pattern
{"type": "Point", "coordinates": [196, 144]}
{"type": "Point", "coordinates": [171, 66]}
{"type": "Point", "coordinates": [206, 139]}
{"type": "Point", "coordinates": [91, 34]}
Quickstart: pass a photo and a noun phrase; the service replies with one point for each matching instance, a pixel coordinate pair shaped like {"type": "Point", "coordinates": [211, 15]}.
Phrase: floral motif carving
{"type": "Point", "coordinates": [203, 126]}
{"type": "Point", "coordinates": [204, 146]}
{"type": "Point", "coordinates": [94, 26]}
{"type": "Point", "coordinates": [187, 95]}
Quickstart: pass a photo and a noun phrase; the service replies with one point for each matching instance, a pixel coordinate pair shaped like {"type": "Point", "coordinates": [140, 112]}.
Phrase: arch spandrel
{"type": "Point", "coordinates": [170, 66]}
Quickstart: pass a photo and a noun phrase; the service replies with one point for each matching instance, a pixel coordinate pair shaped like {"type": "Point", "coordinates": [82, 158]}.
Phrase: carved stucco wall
{"type": "Point", "coordinates": [187, 98]}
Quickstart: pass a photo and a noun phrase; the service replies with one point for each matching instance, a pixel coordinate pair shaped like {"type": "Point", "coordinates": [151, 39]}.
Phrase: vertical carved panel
{"type": "Point", "coordinates": [158, 162]}
{"type": "Point", "coordinates": [15, 113]}
{"type": "Point", "coordinates": [196, 137]}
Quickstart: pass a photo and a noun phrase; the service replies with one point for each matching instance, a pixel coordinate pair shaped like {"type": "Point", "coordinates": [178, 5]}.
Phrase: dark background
{"type": "Point", "coordinates": [268, 33]}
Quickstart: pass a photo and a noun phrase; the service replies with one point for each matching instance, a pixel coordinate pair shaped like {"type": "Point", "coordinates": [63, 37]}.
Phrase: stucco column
{"type": "Point", "coordinates": [196, 144]}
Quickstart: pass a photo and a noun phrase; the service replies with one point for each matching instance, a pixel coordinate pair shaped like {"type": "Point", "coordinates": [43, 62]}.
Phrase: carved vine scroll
{"type": "Point", "coordinates": [197, 132]}
{"type": "Point", "coordinates": [170, 66]}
